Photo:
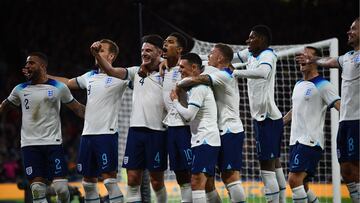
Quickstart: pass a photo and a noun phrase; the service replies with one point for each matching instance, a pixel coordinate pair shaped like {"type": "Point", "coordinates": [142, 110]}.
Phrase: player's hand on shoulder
{"type": "Point", "coordinates": [173, 95]}
{"type": "Point", "coordinates": [162, 67]}
{"type": "Point", "coordinates": [143, 71]}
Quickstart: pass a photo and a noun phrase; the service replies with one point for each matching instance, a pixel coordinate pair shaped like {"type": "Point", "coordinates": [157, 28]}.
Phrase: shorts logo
{"type": "Point", "coordinates": [79, 167]}
{"type": "Point", "coordinates": [338, 153]}
{"type": "Point", "coordinates": [126, 160]}
{"type": "Point", "coordinates": [29, 170]}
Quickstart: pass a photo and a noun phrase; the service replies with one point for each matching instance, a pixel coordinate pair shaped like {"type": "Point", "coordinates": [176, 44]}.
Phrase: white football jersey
{"type": "Point", "coordinates": [310, 100]}
{"type": "Point", "coordinates": [103, 102]}
{"type": "Point", "coordinates": [171, 77]}
{"type": "Point", "coordinates": [40, 105]}
{"type": "Point", "coordinates": [261, 91]}
{"type": "Point", "coordinates": [227, 97]}
{"type": "Point", "coordinates": [350, 87]}
{"type": "Point", "coordinates": [148, 103]}
{"type": "Point", "coordinates": [204, 129]}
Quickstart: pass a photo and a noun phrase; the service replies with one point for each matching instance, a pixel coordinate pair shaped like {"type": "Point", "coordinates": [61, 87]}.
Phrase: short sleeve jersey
{"type": "Point", "coordinates": [310, 100]}
{"type": "Point", "coordinates": [103, 102]}
{"type": "Point", "coordinates": [204, 127]}
{"type": "Point", "coordinates": [261, 91]}
{"type": "Point", "coordinates": [350, 87]}
{"type": "Point", "coordinates": [227, 97]}
{"type": "Point", "coordinates": [40, 105]}
{"type": "Point", "coordinates": [148, 103]}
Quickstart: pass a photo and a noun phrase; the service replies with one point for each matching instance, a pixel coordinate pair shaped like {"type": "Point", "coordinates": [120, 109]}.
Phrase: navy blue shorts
{"type": "Point", "coordinates": [204, 159]}
{"type": "Point", "coordinates": [98, 154]}
{"type": "Point", "coordinates": [268, 134]}
{"type": "Point", "coordinates": [179, 148]}
{"type": "Point", "coordinates": [303, 158]}
{"type": "Point", "coordinates": [230, 156]}
{"type": "Point", "coordinates": [348, 141]}
{"type": "Point", "coordinates": [47, 161]}
{"type": "Point", "coordinates": [145, 148]}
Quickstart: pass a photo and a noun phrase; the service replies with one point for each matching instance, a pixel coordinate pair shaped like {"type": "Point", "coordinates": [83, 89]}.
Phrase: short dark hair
{"type": "Point", "coordinates": [226, 51]}
{"type": "Point", "coordinates": [264, 31]}
{"type": "Point", "coordinates": [153, 39]}
{"type": "Point", "coordinates": [113, 47]}
{"type": "Point", "coordinates": [181, 40]}
{"type": "Point", "coordinates": [316, 50]}
{"type": "Point", "coordinates": [41, 55]}
{"type": "Point", "coordinates": [193, 58]}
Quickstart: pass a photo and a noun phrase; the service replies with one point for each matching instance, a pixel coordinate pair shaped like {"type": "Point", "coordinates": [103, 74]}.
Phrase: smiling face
{"type": "Point", "coordinates": [186, 69]}
{"type": "Point", "coordinates": [35, 67]}
{"type": "Point", "coordinates": [255, 42]}
{"type": "Point", "coordinates": [214, 57]}
{"type": "Point", "coordinates": [150, 54]}
{"type": "Point", "coordinates": [353, 34]}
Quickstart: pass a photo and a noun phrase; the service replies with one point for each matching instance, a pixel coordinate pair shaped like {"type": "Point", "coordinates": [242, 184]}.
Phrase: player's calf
{"type": "Point", "coordinates": [91, 192]}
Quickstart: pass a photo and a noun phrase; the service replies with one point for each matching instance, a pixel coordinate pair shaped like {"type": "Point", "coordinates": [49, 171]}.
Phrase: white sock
{"type": "Point", "coordinates": [354, 191]}
{"type": "Point", "coordinates": [115, 194]}
{"type": "Point", "coordinates": [185, 190]}
{"type": "Point", "coordinates": [213, 197]}
{"type": "Point", "coordinates": [62, 190]}
{"type": "Point", "coordinates": [161, 196]}
{"type": "Point", "coordinates": [280, 177]}
{"type": "Point", "coordinates": [198, 196]}
{"type": "Point", "coordinates": [312, 197]}
{"type": "Point", "coordinates": [299, 194]}
{"type": "Point", "coordinates": [236, 191]}
{"type": "Point", "coordinates": [38, 190]}
{"type": "Point", "coordinates": [91, 192]}
{"type": "Point", "coordinates": [133, 194]}
{"type": "Point", "coordinates": [271, 185]}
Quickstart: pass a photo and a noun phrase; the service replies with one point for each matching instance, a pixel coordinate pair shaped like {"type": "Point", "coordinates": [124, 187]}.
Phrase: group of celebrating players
{"type": "Point", "coordinates": [188, 113]}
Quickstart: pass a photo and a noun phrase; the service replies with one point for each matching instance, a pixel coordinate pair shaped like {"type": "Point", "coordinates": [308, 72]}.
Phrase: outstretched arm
{"type": "Point", "coordinates": [328, 62]}
{"type": "Point", "coordinates": [106, 66]}
{"type": "Point", "coordinates": [192, 81]}
{"type": "Point", "coordinates": [71, 83]}
{"type": "Point", "coordinates": [261, 72]}
{"type": "Point", "coordinates": [77, 108]}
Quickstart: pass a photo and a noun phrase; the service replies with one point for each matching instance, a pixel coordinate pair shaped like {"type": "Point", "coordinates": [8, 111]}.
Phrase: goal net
{"type": "Point", "coordinates": [326, 183]}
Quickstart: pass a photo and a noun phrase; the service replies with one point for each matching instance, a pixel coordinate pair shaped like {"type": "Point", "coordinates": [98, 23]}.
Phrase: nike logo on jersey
{"type": "Point", "coordinates": [26, 95]}
{"type": "Point", "coordinates": [91, 81]}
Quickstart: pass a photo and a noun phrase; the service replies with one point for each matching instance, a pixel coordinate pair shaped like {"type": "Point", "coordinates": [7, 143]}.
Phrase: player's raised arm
{"type": "Point", "coordinates": [329, 62]}
{"type": "Point", "coordinates": [96, 50]}
{"type": "Point", "coordinates": [77, 108]}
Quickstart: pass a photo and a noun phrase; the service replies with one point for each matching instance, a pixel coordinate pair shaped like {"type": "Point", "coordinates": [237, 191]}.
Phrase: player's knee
{"type": "Point", "coordinates": [346, 172]}
{"type": "Point", "coordinates": [157, 184]}
{"type": "Point", "coordinates": [183, 177]}
{"type": "Point", "coordinates": [294, 181]}
{"type": "Point", "coordinates": [134, 178]}
{"type": "Point", "coordinates": [38, 190]}
{"type": "Point", "coordinates": [230, 176]}
{"type": "Point", "coordinates": [62, 190]}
